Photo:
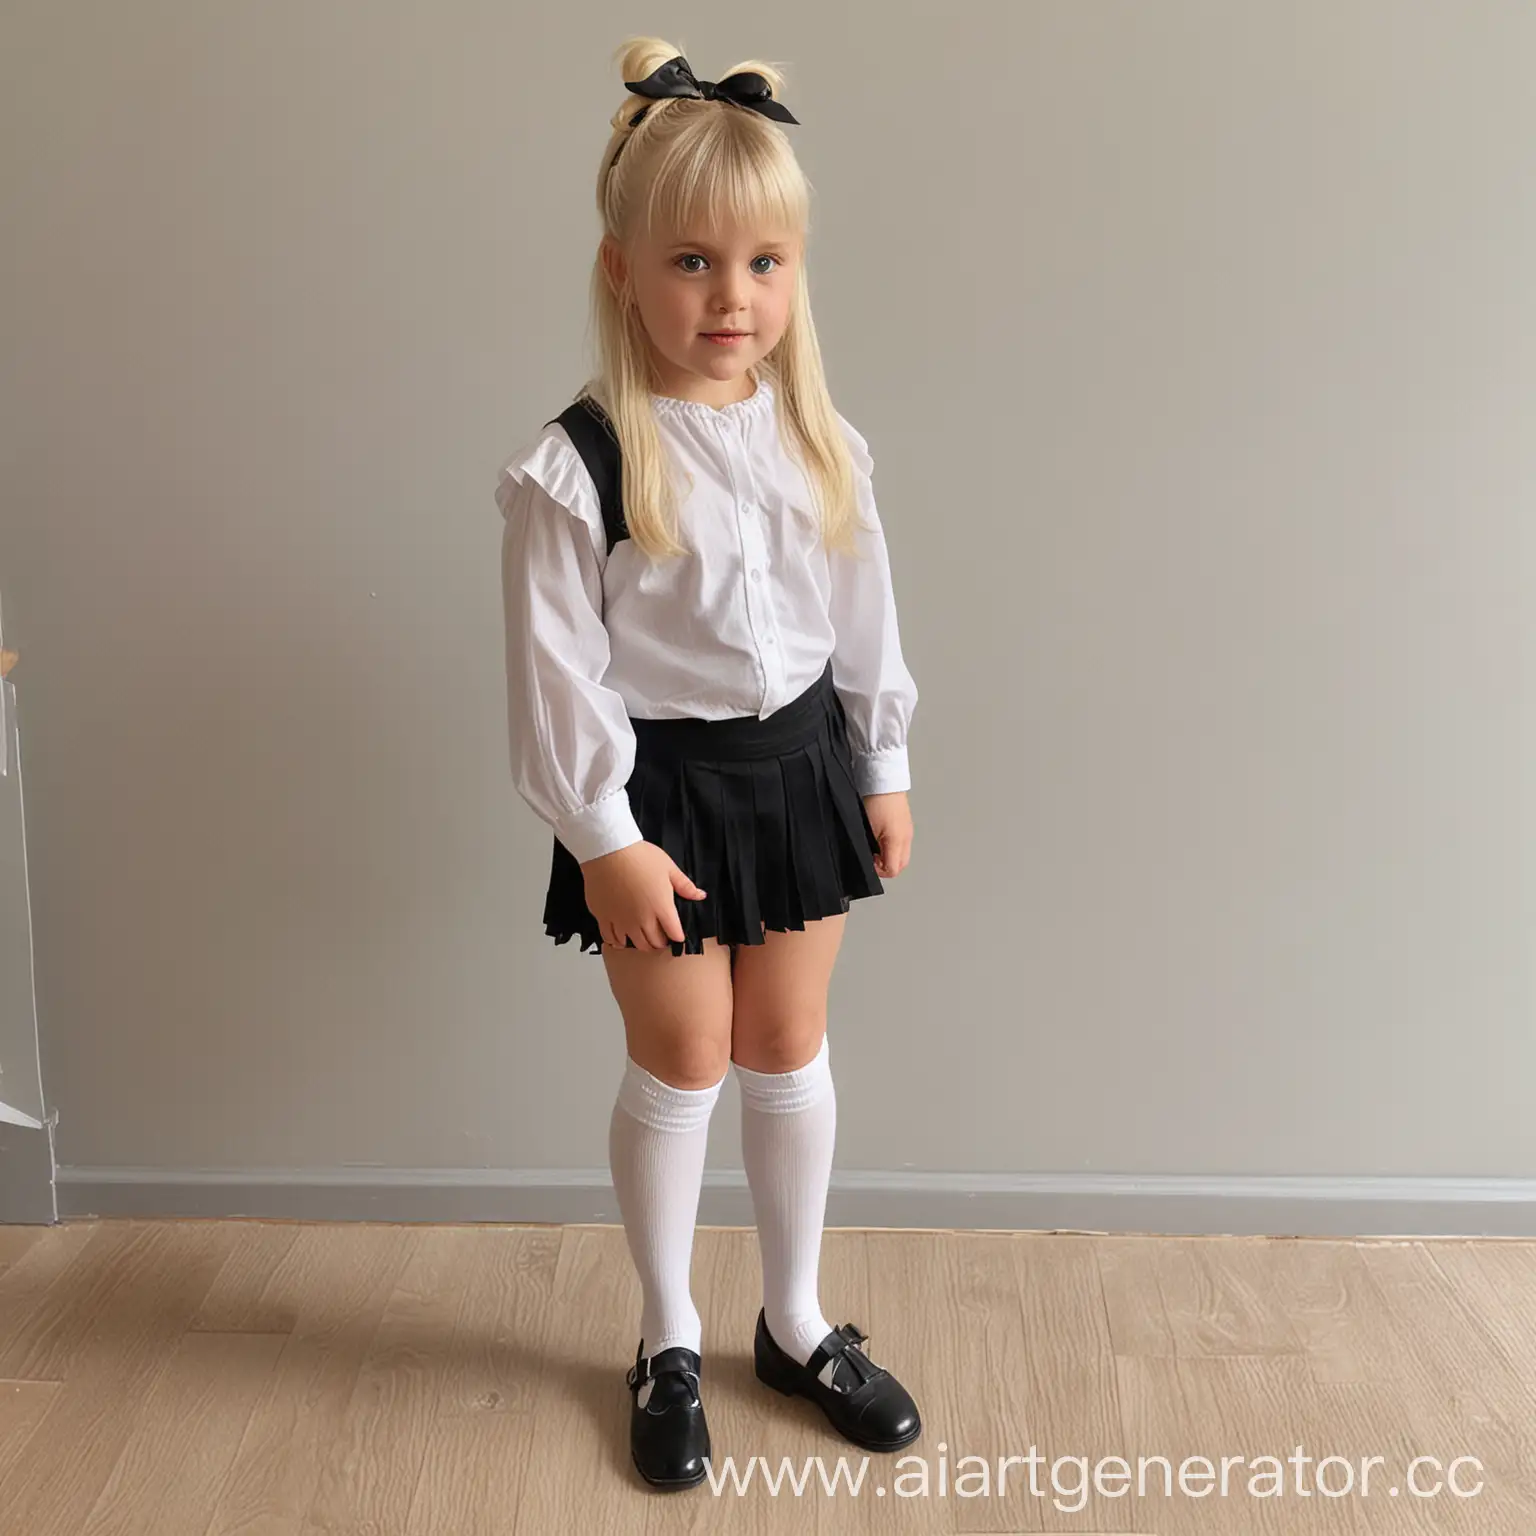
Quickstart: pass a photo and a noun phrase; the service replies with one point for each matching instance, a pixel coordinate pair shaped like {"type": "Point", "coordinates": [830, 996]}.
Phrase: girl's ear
{"type": "Point", "coordinates": [615, 267]}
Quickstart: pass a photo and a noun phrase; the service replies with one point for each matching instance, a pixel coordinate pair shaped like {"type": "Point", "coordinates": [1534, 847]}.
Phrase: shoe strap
{"type": "Point", "coordinates": [648, 1367]}
{"type": "Point", "coordinates": [850, 1347]}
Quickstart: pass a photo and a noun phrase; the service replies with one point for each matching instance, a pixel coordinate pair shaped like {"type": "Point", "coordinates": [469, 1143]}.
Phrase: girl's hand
{"type": "Point", "coordinates": [631, 894]}
{"type": "Point", "coordinates": [891, 818]}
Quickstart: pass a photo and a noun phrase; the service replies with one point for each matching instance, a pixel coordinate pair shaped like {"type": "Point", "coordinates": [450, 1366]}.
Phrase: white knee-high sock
{"type": "Point", "coordinates": [656, 1144]}
{"type": "Point", "coordinates": [788, 1126]}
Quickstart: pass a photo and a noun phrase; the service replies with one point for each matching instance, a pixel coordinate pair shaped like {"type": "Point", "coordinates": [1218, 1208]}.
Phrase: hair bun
{"type": "Point", "coordinates": [768, 73]}
{"type": "Point", "coordinates": [641, 56]}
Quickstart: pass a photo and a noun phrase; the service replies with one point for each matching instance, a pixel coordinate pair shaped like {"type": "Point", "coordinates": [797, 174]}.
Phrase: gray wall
{"type": "Point", "coordinates": [1196, 344]}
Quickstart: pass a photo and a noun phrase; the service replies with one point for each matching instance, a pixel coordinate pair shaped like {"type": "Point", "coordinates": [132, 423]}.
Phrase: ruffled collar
{"type": "Point", "coordinates": [758, 403]}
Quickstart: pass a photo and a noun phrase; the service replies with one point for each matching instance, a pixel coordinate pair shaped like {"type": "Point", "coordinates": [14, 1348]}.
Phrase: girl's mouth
{"type": "Point", "coordinates": [725, 338]}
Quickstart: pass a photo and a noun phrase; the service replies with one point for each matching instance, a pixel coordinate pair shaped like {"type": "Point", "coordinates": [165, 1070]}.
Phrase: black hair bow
{"type": "Point", "coordinates": [674, 78]}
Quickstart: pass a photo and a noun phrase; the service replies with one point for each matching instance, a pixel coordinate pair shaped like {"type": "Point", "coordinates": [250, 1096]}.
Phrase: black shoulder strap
{"type": "Point", "coordinates": [586, 424]}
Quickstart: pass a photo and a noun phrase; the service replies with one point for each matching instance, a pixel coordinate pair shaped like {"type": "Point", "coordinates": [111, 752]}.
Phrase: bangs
{"type": "Point", "coordinates": [724, 172]}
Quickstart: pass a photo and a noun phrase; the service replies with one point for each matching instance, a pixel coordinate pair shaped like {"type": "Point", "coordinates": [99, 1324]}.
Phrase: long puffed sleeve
{"type": "Point", "coordinates": [572, 745]}
{"type": "Point", "coordinates": [877, 691]}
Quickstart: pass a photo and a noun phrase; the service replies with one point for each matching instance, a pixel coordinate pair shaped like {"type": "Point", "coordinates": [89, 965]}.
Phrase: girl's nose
{"type": "Point", "coordinates": [731, 295]}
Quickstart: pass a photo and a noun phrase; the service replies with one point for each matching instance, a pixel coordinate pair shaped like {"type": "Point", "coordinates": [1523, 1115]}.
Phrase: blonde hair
{"type": "Point", "coordinates": [692, 160]}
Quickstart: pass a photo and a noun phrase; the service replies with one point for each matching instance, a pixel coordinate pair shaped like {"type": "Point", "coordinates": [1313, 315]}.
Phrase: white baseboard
{"type": "Point", "coordinates": [1315, 1206]}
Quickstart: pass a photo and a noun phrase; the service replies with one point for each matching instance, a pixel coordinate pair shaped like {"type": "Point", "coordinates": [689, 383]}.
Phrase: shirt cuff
{"type": "Point", "coordinates": [602, 828]}
{"type": "Point", "coordinates": [881, 773]}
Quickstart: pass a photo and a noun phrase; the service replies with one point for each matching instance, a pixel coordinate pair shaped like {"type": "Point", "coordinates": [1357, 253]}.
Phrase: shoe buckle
{"type": "Point", "coordinates": [853, 1351]}
{"type": "Point", "coordinates": [639, 1373]}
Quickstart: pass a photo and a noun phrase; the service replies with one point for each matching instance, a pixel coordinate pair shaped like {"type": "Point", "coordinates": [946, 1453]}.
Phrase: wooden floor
{"type": "Point", "coordinates": [275, 1379]}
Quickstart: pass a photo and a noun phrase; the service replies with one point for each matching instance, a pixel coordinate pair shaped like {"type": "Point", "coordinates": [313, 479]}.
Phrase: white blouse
{"type": "Point", "coordinates": [739, 626]}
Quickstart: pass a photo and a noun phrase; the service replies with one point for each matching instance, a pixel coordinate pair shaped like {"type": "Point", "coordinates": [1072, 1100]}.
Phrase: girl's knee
{"type": "Point", "coordinates": [688, 1061]}
{"type": "Point", "coordinates": [677, 1016]}
{"type": "Point", "coordinates": [781, 1045]}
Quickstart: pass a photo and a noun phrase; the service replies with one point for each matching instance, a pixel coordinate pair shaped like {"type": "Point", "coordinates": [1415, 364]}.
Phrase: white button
{"type": "Point", "coordinates": [749, 507]}
{"type": "Point", "coordinates": [757, 575]}
{"type": "Point", "coordinates": [770, 639]}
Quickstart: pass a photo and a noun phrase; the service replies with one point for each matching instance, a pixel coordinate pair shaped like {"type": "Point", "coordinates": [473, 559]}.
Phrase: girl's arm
{"type": "Point", "coordinates": [868, 671]}
{"type": "Point", "coordinates": [572, 746]}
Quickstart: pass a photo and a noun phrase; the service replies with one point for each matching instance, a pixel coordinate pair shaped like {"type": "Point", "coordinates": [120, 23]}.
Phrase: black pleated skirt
{"type": "Point", "coordinates": [763, 814]}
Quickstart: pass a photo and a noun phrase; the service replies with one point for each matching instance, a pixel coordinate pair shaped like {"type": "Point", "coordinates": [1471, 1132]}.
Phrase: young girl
{"type": "Point", "coordinates": [709, 707]}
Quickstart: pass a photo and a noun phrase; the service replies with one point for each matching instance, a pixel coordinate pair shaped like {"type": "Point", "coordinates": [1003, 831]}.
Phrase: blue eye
{"type": "Point", "coordinates": [762, 271]}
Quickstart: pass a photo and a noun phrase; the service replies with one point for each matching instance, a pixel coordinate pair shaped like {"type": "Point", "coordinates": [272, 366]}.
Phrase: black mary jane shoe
{"type": "Point", "coordinates": [864, 1403]}
{"type": "Point", "coordinates": [668, 1434]}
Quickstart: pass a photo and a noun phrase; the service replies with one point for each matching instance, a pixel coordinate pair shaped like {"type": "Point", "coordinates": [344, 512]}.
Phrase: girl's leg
{"type": "Point", "coordinates": [677, 1024]}
{"type": "Point", "coordinates": [788, 1116]}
